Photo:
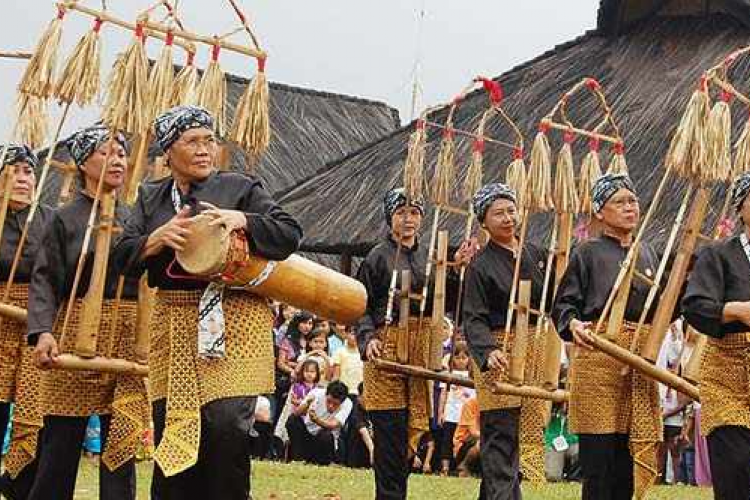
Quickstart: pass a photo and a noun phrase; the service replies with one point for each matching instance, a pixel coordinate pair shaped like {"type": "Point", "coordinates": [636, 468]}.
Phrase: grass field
{"type": "Point", "coordinates": [275, 481]}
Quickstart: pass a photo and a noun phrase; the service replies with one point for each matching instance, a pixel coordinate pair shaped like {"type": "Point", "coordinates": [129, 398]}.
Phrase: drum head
{"type": "Point", "coordinates": [206, 248]}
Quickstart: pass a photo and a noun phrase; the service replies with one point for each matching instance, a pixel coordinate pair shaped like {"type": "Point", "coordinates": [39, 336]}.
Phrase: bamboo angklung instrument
{"type": "Point", "coordinates": [435, 356]}
{"type": "Point", "coordinates": [517, 362]}
{"type": "Point", "coordinates": [402, 333]}
{"type": "Point", "coordinates": [91, 306]}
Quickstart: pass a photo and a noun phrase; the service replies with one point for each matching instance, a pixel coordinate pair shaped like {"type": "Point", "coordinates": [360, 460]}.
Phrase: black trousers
{"type": "Point", "coordinates": [318, 449]}
{"type": "Point", "coordinates": [729, 451]}
{"type": "Point", "coordinates": [391, 437]}
{"type": "Point", "coordinates": [223, 466]}
{"type": "Point", "coordinates": [498, 444]}
{"type": "Point", "coordinates": [60, 454]}
{"type": "Point", "coordinates": [606, 466]}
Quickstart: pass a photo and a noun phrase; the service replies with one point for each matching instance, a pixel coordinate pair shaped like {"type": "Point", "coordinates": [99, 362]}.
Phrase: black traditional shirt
{"type": "Point", "coordinates": [375, 274]}
{"type": "Point", "coordinates": [589, 278]}
{"type": "Point", "coordinates": [14, 222]}
{"type": "Point", "coordinates": [272, 233]}
{"type": "Point", "coordinates": [489, 279]}
{"type": "Point", "coordinates": [721, 274]}
{"type": "Point", "coordinates": [55, 265]}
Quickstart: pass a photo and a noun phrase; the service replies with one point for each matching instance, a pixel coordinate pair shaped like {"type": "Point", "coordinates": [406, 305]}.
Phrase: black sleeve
{"type": "Point", "coordinates": [569, 299]}
{"type": "Point", "coordinates": [365, 328]}
{"type": "Point", "coordinates": [272, 233]}
{"type": "Point", "coordinates": [703, 303]}
{"type": "Point", "coordinates": [475, 318]}
{"type": "Point", "coordinates": [47, 285]}
{"type": "Point", "coordinates": [128, 247]}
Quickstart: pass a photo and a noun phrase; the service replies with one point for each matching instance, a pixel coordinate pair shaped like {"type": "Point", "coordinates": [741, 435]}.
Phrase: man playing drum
{"type": "Point", "coordinates": [617, 416]}
{"type": "Point", "coordinates": [396, 404]}
{"type": "Point", "coordinates": [68, 398]}
{"type": "Point", "coordinates": [19, 378]}
{"type": "Point", "coordinates": [211, 346]}
{"type": "Point", "coordinates": [717, 304]}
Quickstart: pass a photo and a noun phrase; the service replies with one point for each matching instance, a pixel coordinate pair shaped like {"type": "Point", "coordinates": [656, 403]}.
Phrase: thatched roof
{"type": "Point", "coordinates": [309, 129]}
{"type": "Point", "coordinates": [648, 75]}
{"type": "Point", "coordinates": [617, 16]}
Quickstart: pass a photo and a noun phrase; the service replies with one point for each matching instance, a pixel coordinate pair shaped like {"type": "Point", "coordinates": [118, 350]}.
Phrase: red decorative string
{"type": "Point", "coordinates": [594, 144]}
{"type": "Point", "coordinates": [170, 38]}
{"type": "Point", "coordinates": [544, 127]}
{"type": "Point", "coordinates": [703, 83]}
{"type": "Point", "coordinates": [493, 88]}
{"type": "Point", "coordinates": [261, 64]}
{"type": "Point", "coordinates": [479, 146]}
{"type": "Point", "coordinates": [60, 12]}
{"type": "Point", "coordinates": [726, 96]}
{"type": "Point", "coordinates": [420, 125]}
{"type": "Point", "coordinates": [518, 153]}
{"type": "Point", "coordinates": [593, 84]}
{"type": "Point", "coordinates": [448, 133]}
{"type": "Point", "coordinates": [215, 52]}
{"type": "Point", "coordinates": [569, 137]}
{"type": "Point", "coordinates": [619, 148]}
{"type": "Point", "coordinates": [98, 25]}
{"type": "Point", "coordinates": [190, 58]}
{"type": "Point", "coordinates": [139, 31]}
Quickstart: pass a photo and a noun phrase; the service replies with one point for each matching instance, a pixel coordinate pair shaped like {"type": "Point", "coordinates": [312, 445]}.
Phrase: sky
{"type": "Point", "coordinates": [371, 49]}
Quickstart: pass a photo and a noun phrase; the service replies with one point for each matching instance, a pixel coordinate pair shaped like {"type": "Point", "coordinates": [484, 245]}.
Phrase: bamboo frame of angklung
{"type": "Point", "coordinates": [714, 76]}
{"type": "Point", "coordinates": [160, 31]}
{"type": "Point", "coordinates": [560, 234]}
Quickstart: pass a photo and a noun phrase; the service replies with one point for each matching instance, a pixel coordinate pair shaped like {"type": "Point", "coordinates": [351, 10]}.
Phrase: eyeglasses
{"type": "Point", "coordinates": [196, 143]}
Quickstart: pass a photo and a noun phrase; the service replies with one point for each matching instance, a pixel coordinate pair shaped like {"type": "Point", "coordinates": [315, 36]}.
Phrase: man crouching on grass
{"type": "Point", "coordinates": [315, 426]}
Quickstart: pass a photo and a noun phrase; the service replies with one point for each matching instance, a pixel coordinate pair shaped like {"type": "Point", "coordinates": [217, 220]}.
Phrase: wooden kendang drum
{"type": "Point", "coordinates": [218, 254]}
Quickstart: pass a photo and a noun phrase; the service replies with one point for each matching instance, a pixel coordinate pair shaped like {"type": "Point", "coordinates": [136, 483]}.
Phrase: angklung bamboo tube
{"type": "Point", "coordinates": [402, 332]}
{"type": "Point", "coordinates": [530, 391]}
{"type": "Point", "coordinates": [146, 297]}
{"type": "Point", "coordinates": [435, 357]}
{"type": "Point", "coordinates": [91, 306]}
{"type": "Point", "coordinates": [72, 362]}
{"type": "Point", "coordinates": [617, 314]}
{"type": "Point", "coordinates": [138, 167]}
{"type": "Point", "coordinates": [638, 363]}
{"type": "Point", "coordinates": [14, 312]}
{"type": "Point", "coordinates": [692, 371]}
{"type": "Point", "coordinates": [552, 353]}
{"type": "Point", "coordinates": [664, 312]}
{"type": "Point", "coordinates": [517, 362]}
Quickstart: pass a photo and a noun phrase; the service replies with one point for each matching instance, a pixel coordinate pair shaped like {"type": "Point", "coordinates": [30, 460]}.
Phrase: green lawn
{"type": "Point", "coordinates": [274, 481]}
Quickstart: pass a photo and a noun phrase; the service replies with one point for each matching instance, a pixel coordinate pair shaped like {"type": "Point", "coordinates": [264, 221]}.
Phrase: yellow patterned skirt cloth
{"type": "Point", "coordinates": [188, 382]}
{"type": "Point", "coordinates": [12, 341]}
{"type": "Point", "coordinates": [606, 399]}
{"type": "Point", "coordinates": [391, 391]}
{"type": "Point", "coordinates": [85, 393]}
{"type": "Point", "coordinates": [534, 412]}
{"type": "Point", "coordinates": [725, 383]}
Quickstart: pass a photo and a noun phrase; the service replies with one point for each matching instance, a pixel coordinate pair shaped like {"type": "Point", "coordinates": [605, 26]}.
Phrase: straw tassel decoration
{"type": "Point", "coordinates": [212, 90]}
{"type": "Point", "coordinates": [475, 172]}
{"type": "Point", "coordinates": [617, 164]}
{"type": "Point", "coordinates": [718, 142]}
{"type": "Point", "coordinates": [565, 195]}
{"type": "Point", "coordinates": [161, 79]}
{"type": "Point", "coordinates": [516, 176]}
{"type": "Point", "coordinates": [185, 90]}
{"type": "Point", "coordinates": [31, 126]}
{"type": "Point", "coordinates": [539, 185]}
{"type": "Point", "coordinates": [39, 77]}
{"type": "Point", "coordinates": [590, 171]}
{"type": "Point", "coordinates": [687, 149]}
{"type": "Point", "coordinates": [251, 128]}
{"type": "Point", "coordinates": [127, 100]}
{"type": "Point", "coordinates": [80, 80]}
{"type": "Point", "coordinates": [446, 168]}
{"type": "Point", "coordinates": [414, 164]}
{"type": "Point", "coordinates": [742, 152]}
